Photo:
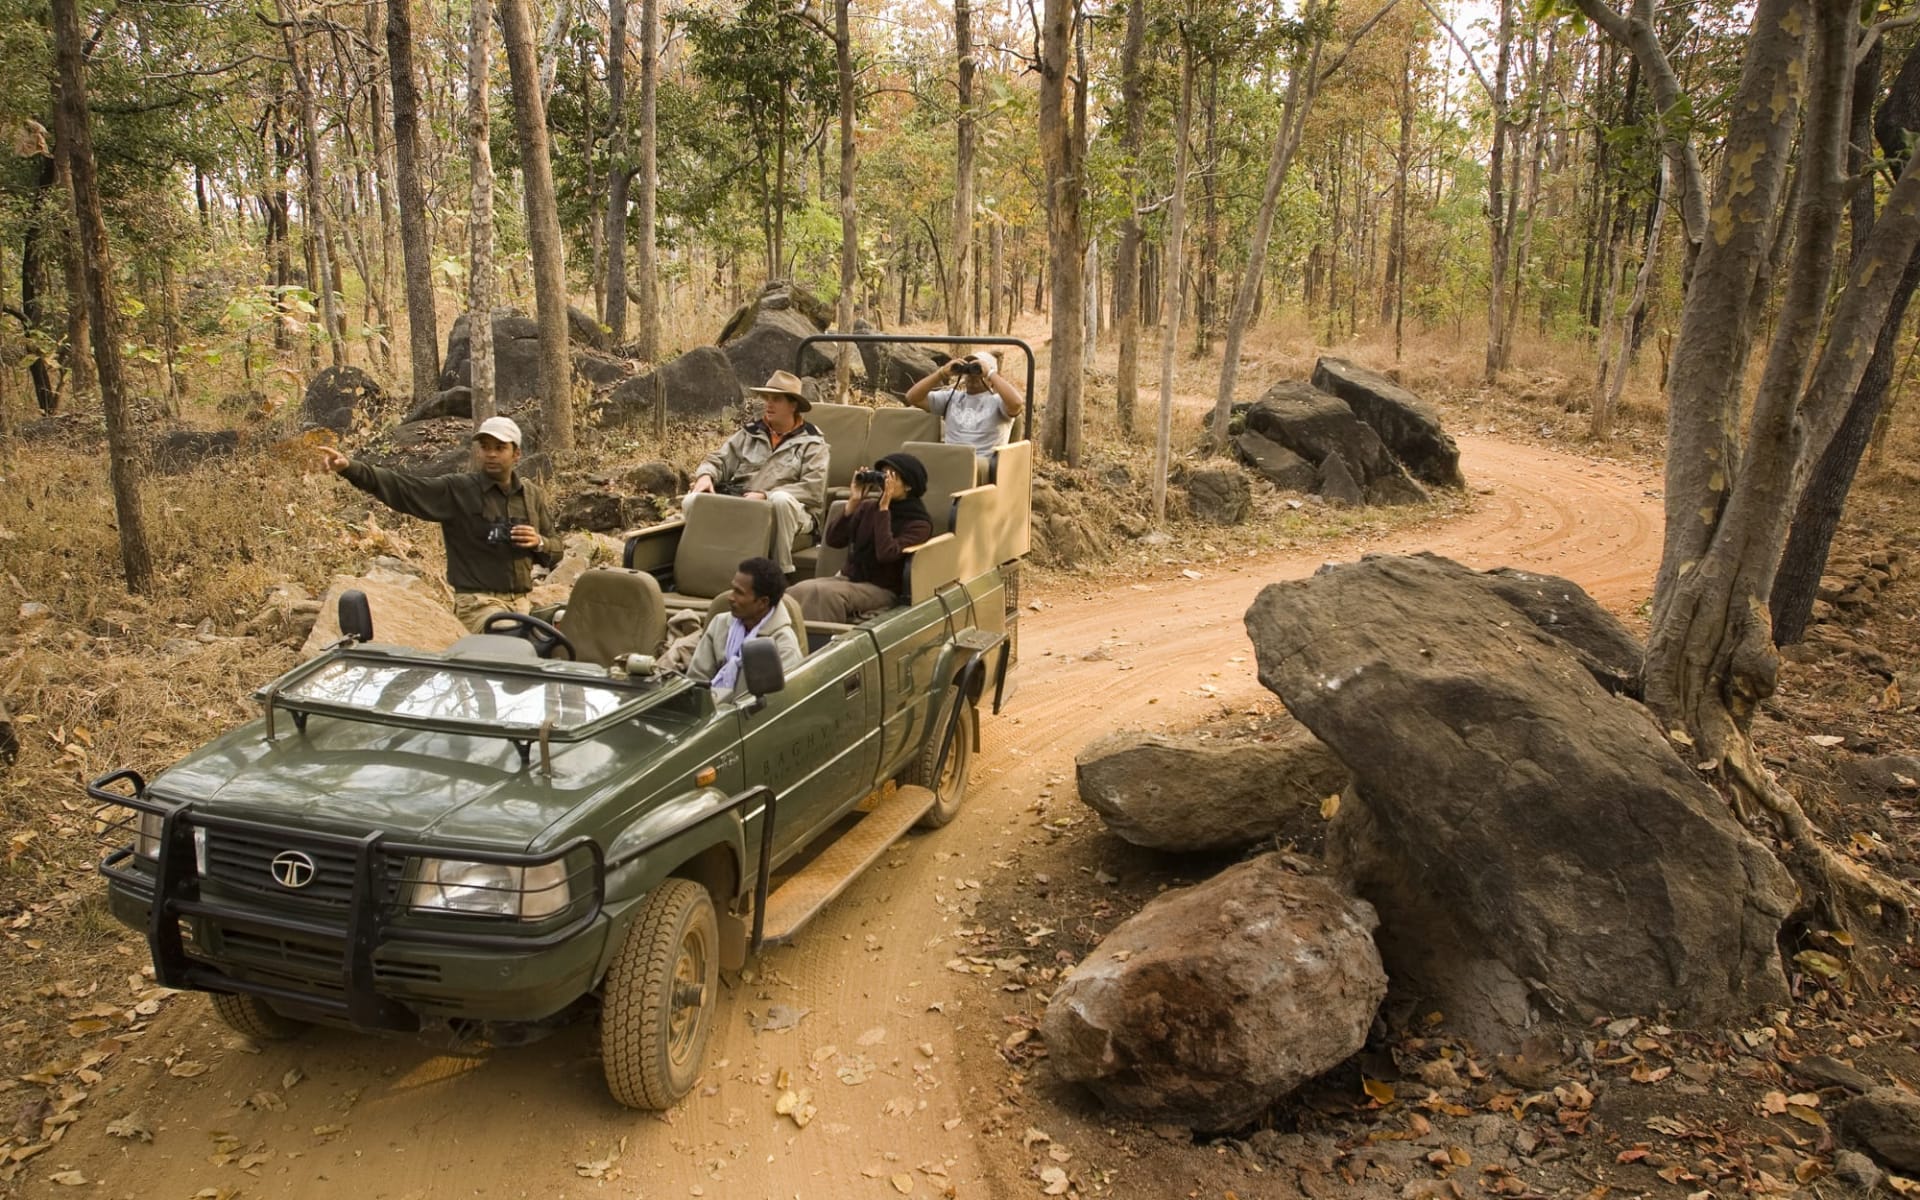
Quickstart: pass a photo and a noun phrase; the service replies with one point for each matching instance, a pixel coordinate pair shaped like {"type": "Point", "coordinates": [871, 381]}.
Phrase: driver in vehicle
{"type": "Point", "coordinates": [495, 524]}
{"type": "Point", "coordinates": [754, 611]}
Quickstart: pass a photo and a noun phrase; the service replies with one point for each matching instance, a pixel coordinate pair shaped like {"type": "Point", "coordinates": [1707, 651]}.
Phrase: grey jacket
{"type": "Point", "coordinates": [712, 649]}
{"type": "Point", "coordinates": [750, 462]}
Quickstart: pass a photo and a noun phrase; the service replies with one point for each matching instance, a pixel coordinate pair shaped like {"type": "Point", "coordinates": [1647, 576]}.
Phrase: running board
{"type": "Point", "coordinates": [804, 894]}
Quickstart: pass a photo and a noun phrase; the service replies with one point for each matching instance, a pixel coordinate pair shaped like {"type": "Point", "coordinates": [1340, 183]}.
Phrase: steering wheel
{"type": "Point", "coordinates": [545, 638]}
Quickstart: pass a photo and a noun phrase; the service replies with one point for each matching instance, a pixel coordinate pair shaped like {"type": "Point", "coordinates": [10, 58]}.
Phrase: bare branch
{"type": "Point", "coordinates": [1879, 30]}
{"type": "Point", "coordinates": [1485, 83]}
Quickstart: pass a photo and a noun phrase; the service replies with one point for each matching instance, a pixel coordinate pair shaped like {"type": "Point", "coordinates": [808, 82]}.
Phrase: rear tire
{"type": "Point", "coordinates": [656, 1010]}
{"type": "Point", "coordinates": [950, 789]}
{"type": "Point", "coordinates": [254, 1017]}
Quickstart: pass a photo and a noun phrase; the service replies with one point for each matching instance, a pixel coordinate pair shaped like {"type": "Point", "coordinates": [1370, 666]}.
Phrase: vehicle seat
{"type": "Point", "coordinates": [950, 469]}
{"type": "Point", "coordinates": [614, 611]}
{"type": "Point", "coordinates": [787, 601]}
{"type": "Point", "coordinates": [721, 532]}
{"type": "Point", "coordinates": [845, 428]}
{"type": "Point", "coordinates": [893, 428]}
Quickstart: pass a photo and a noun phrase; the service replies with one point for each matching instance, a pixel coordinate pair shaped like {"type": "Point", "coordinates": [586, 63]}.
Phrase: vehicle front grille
{"type": "Point", "coordinates": [245, 860]}
{"type": "Point", "coordinates": [275, 957]}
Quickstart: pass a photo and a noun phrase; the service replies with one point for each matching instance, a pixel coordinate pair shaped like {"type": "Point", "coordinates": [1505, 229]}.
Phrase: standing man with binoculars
{"type": "Point", "coordinates": [496, 525]}
{"type": "Point", "coordinates": [975, 404]}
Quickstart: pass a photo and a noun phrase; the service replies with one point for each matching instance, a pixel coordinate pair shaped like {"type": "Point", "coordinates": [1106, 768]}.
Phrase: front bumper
{"type": "Point", "coordinates": [360, 958]}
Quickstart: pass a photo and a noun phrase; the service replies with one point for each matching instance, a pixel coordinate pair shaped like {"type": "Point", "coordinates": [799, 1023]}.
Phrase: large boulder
{"type": "Point", "coordinates": [1313, 424]}
{"type": "Point", "coordinates": [1218, 494]}
{"type": "Point", "coordinates": [768, 344]}
{"type": "Point", "coordinates": [1275, 463]}
{"type": "Point", "coordinates": [1214, 1001]}
{"type": "Point", "coordinates": [1336, 483]}
{"type": "Point", "coordinates": [408, 608]}
{"type": "Point", "coordinates": [447, 402]}
{"type": "Point", "coordinates": [700, 384]}
{"type": "Point", "coordinates": [1186, 792]}
{"type": "Point", "coordinates": [603, 510]}
{"type": "Point", "coordinates": [516, 357]}
{"type": "Point", "coordinates": [1533, 844]}
{"type": "Point", "coordinates": [600, 370]}
{"type": "Point", "coordinates": [1408, 427]}
{"type": "Point", "coordinates": [185, 449]}
{"type": "Point", "coordinates": [894, 366]}
{"type": "Point", "coordinates": [336, 396]}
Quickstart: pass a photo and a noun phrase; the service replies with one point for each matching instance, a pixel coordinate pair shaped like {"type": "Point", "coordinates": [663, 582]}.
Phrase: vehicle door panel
{"type": "Point", "coordinates": [816, 743]}
{"type": "Point", "coordinates": [911, 642]}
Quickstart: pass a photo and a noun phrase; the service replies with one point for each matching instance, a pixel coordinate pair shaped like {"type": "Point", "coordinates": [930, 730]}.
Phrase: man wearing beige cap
{"type": "Point", "coordinates": [780, 458]}
{"type": "Point", "coordinates": [975, 403]}
{"type": "Point", "coordinates": [496, 525]}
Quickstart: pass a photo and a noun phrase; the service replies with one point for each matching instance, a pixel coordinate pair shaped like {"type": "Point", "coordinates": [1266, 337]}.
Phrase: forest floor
{"type": "Point", "coordinates": [907, 1009]}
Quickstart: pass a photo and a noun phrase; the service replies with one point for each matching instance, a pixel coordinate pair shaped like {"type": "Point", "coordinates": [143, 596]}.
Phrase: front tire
{"type": "Point", "coordinates": [254, 1017]}
{"type": "Point", "coordinates": [656, 1010]}
{"type": "Point", "coordinates": [950, 789]}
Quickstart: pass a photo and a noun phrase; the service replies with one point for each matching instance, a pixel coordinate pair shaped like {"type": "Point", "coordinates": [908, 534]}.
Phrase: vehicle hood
{"type": "Point", "coordinates": [417, 785]}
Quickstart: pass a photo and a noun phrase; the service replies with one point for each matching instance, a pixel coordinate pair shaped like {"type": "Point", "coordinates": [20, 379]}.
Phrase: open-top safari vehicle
{"type": "Point", "coordinates": [537, 817]}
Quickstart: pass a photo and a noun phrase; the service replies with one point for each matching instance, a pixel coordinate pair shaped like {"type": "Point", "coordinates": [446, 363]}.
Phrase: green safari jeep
{"type": "Point", "coordinates": [489, 837]}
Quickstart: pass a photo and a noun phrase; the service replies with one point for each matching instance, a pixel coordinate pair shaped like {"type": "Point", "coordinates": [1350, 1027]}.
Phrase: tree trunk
{"type": "Point", "coordinates": [416, 239]}
{"type": "Point", "coordinates": [849, 159]}
{"type": "Point", "coordinates": [1606, 401]}
{"type": "Point", "coordinates": [80, 373]}
{"type": "Point", "coordinates": [319, 237]}
{"type": "Point", "coordinates": [34, 282]}
{"type": "Point", "coordinates": [999, 309]}
{"type": "Point", "coordinates": [646, 310]}
{"type": "Point", "coordinates": [381, 284]}
{"type": "Point", "coordinates": [1394, 286]}
{"type": "Point", "coordinates": [480, 269]}
{"type": "Point", "coordinates": [619, 172]}
{"type": "Point", "coordinates": [1060, 152]}
{"type": "Point", "coordinates": [1818, 514]}
{"type": "Point", "coordinates": [543, 225]}
{"type": "Point", "coordinates": [960, 293]}
{"type": "Point", "coordinates": [1170, 313]}
{"type": "Point", "coordinates": [1497, 228]}
{"type": "Point", "coordinates": [1126, 259]}
{"type": "Point", "coordinates": [1207, 277]}
{"type": "Point", "coordinates": [1302, 84]}
{"type": "Point", "coordinates": [103, 310]}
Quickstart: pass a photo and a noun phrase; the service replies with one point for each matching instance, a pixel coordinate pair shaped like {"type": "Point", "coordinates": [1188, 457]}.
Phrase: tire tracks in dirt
{"type": "Point", "coordinates": [898, 1050]}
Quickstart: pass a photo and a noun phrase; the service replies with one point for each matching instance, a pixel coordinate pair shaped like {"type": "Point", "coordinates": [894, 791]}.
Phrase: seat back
{"type": "Point", "coordinates": [1012, 471]}
{"type": "Point", "coordinates": [612, 611]}
{"type": "Point", "coordinates": [845, 428]}
{"type": "Point", "coordinates": [893, 428]}
{"type": "Point", "coordinates": [788, 602]}
{"type": "Point", "coordinates": [721, 532]}
{"type": "Point", "coordinates": [829, 559]}
{"type": "Point", "coordinates": [950, 470]}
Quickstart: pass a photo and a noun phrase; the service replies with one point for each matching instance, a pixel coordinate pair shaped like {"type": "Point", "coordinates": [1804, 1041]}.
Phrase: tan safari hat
{"type": "Point", "coordinates": [785, 383]}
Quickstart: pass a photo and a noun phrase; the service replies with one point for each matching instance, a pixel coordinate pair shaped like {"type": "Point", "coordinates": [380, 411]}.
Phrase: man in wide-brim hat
{"type": "Point", "coordinates": [780, 458]}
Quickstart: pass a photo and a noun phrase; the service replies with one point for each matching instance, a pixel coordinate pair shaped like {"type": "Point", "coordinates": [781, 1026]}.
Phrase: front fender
{"type": "Point", "coordinates": [672, 834]}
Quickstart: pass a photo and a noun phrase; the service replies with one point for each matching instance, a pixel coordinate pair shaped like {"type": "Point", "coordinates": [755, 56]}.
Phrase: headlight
{"type": "Point", "coordinates": [489, 889]}
{"type": "Point", "coordinates": [146, 841]}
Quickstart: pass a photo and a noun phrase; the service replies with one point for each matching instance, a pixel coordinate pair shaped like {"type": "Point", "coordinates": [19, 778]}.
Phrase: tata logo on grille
{"type": "Point", "coordinates": [293, 869]}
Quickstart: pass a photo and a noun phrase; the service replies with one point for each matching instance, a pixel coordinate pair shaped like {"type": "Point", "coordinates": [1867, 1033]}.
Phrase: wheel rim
{"type": "Point", "coordinates": [953, 775]}
{"type": "Point", "coordinates": [687, 1002]}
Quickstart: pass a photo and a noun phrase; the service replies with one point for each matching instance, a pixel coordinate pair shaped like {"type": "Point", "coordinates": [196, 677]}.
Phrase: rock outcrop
{"type": "Point", "coordinates": [1214, 1001]}
{"type": "Point", "coordinates": [1534, 846]}
{"type": "Point", "coordinates": [1410, 429]}
{"type": "Point", "coordinates": [336, 396]}
{"type": "Point", "coordinates": [1186, 792]}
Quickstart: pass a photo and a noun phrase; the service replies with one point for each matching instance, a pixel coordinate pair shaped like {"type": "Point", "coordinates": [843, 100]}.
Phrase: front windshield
{"type": "Point", "coordinates": [445, 692]}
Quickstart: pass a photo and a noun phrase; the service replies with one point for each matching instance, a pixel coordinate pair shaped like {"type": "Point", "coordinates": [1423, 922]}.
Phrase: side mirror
{"type": "Point", "coordinates": [761, 667]}
{"type": "Point", "coordinates": [356, 617]}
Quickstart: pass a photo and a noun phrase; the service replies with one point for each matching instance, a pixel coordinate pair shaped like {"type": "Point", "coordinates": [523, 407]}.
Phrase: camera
{"type": "Point", "coordinates": [870, 477]}
{"type": "Point", "coordinates": [500, 533]}
{"type": "Point", "coordinates": [966, 366]}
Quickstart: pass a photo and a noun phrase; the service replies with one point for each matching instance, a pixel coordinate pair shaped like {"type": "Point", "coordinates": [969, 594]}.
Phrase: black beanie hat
{"type": "Point", "coordinates": [910, 470]}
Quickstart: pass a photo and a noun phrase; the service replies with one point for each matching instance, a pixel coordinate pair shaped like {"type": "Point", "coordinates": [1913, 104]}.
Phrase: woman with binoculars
{"type": "Point", "coordinates": [882, 520]}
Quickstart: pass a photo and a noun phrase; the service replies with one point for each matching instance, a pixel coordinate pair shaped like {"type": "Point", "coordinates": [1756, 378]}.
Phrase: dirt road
{"type": "Point", "coordinates": [887, 1033]}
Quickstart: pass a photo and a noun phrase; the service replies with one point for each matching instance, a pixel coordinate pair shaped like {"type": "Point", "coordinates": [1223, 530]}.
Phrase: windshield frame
{"type": "Point", "coordinates": [635, 694]}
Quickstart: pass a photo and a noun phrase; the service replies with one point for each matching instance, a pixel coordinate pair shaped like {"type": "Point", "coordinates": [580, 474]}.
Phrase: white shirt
{"type": "Point", "coordinates": [976, 419]}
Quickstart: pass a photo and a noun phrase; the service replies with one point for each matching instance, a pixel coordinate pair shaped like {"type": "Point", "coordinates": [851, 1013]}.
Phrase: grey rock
{"type": "Point", "coordinates": [184, 449]}
{"type": "Point", "coordinates": [1313, 425]}
{"type": "Point", "coordinates": [700, 384]}
{"type": "Point", "coordinates": [1275, 463]}
{"type": "Point", "coordinates": [654, 478]}
{"type": "Point", "coordinates": [1410, 429]}
{"type": "Point", "coordinates": [1337, 484]}
{"type": "Point", "coordinates": [1182, 792]}
{"type": "Point", "coordinates": [585, 329]}
{"type": "Point", "coordinates": [1825, 1071]}
{"type": "Point", "coordinates": [336, 396]}
{"type": "Point", "coordinates": [516, 358]}
{"type": "Point", "coordinates": [1851, 1166]}
{"type": "Point", "coordinates": [894, 367]}
{"type": "Point", "coordinates": [1397, 488]}
{"type": "Point", "coordinates": [448, 402]}
{"type": "Point", "coordinates": [1219, 495]}
{"type": "Point", "coordinates": [600, 370]}
{"type": "Point", "coordinates": [1214, 1001]}
{"type": "Point", "coordinates": [769, 344]}
{"type": "Point", "coordinates": [601, 511]}
{"type": "Point", "coordinates": [1885, 1123]}
{"type": "Point", "coordinates": [1534, 846]}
